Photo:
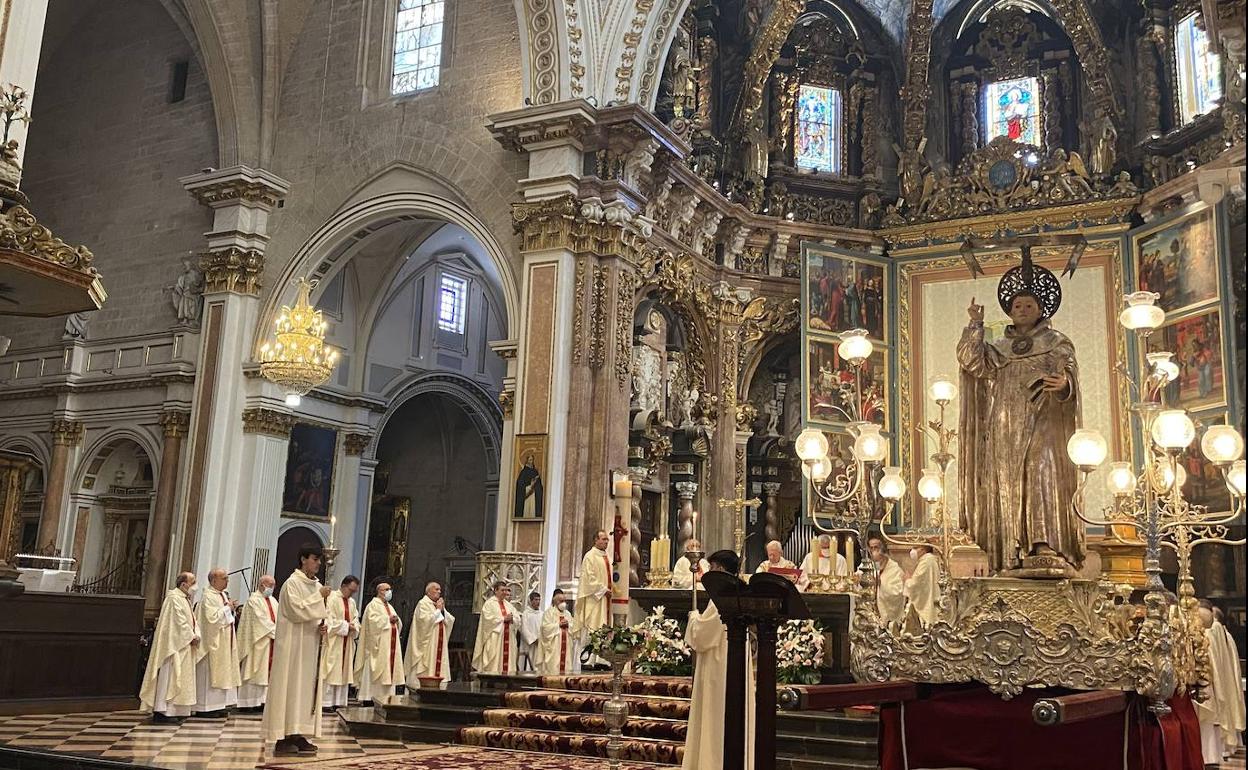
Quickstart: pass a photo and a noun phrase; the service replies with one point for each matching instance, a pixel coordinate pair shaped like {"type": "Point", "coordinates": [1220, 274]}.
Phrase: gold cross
{"type": "Point", "coordinates": [738, 506]}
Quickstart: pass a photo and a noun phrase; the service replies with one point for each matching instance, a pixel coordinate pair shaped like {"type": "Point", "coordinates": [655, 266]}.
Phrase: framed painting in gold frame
{"type": "Point", "coordinates": [1196, 342]}
{"type": "Point", "coordinates": [844, 291]}
{"type": "Point", "coordinates": [528, 485]}
{"type": "Point", "coordinates": [1178, 259]}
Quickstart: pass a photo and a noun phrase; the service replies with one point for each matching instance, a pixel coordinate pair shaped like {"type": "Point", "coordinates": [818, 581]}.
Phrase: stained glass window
{"type": "Point", "coordinates": [452, 299]}
{"type": "Point", "coordinates": [818, 144]}
{"type": "Point", "coordinates": [1012, 108]}
{"type": "Point", "coordinates": [417, 45]}
{"type": "Point", "coordinates": [1200, 70]}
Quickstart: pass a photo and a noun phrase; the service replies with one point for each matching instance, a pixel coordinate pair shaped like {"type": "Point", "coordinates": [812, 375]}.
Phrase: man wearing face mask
{"type": "Point", "coordinates": [256, 632]}
{"type": "Point", "coordinates": [923, 585]}
{"type": "Point", "coordinates": [428, 644]}
{"type": "Point", "coordinates": [217, 673]}
{"type": "Point", "coordinates": [338, 659]}
{"type": "Point", "coordinates": [169, 683]}
{"type": "Point", "coordinates": [557, 654]}
{"type": "Point", "coordinates": [379, 665]}
{"type": "Point", "coordinates": [890, 597]}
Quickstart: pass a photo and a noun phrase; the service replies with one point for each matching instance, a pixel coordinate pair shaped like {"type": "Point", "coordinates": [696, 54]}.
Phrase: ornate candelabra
{"type": "Point", "coordinates": [738, 506]}
{"type": "Point", "coordinates": [297, 359]}
{"type": "Point", "coordinates": [1151, 499]}
{"type": "Point", "coordinates": [694, 558]}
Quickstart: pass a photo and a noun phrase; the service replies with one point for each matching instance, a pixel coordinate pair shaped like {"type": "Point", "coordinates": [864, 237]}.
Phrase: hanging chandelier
{"type": "Point", "coordinates": [297, 358]}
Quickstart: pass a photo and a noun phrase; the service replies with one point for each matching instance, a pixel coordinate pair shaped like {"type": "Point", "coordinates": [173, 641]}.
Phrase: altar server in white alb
{"type": "Point", "coordinates": [1227, 685]}
{"type": "Point", "coordinates": [682, 576]}
{"type": "Point", "coordinates": [558, 654]}
{"type": "Point", "coordinates": [826, 562]}
{"type": "Point", "coordinates": [257, 629]}
{"type": "Point", "coordinates": [428, 643]}
{"type": "Point", "coordinates": [923, 586]}
{"type": "Point", "coordinates": [890, 598]}
{"type": "Point", "coordinates": [593, 590]}
{"type": "Point", "coordinates": [217, 674]}
{"type": "Point", "coordinates": [379, 661]}
{"type": "Point", "coordinates": [292, 710]}
{"type": "Point", "coordinates": [708, 636]}
{"type": "Point", "coordinates": [495, 649]}
{"type": "Point", "coordinates": [169, 683]}
{"type": "Point", "coordinates": [530, 632]}
{"type": "Point", "coordinates": [338, 658]}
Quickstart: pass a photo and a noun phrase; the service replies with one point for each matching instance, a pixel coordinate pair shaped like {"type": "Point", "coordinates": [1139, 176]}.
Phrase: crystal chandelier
{"type": "Point", "coordinates": [297, 358]}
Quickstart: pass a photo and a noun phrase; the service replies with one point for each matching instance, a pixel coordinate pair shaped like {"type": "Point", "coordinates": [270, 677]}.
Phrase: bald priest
{"type": "Point", "coordinates": [168, 689]}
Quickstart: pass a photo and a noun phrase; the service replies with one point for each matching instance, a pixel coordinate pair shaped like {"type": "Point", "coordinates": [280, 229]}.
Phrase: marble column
{"type": "Point", "coordinates": [66, 437]}
{"type": "Point", "coordinates": [345, 505]}
{"type": "Point", "coordinates": [772, 513]}
{"type": "Point", "coordinates": [174, 423]}
{"type": "Point", "coordinates": [241, 199]}
{"type": "Point", "coordinates": [21, 41]}
{"type": "Point", "coordinates": [251, 540]}
{"type": "Point", "coordinates": [685, 490]}
{"type": "Point", "coordinates": [635, 575]}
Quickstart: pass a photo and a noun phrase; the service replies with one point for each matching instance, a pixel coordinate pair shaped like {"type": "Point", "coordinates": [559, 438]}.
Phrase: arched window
{"type": "Point", "coordinates": [1012, 110]}
{"type": "Point", "coordinates": [417, 45]}
{"type": "Point", "coordinates": [1199, 68]}
{"type": "Point", "coordinates": [818, 130]}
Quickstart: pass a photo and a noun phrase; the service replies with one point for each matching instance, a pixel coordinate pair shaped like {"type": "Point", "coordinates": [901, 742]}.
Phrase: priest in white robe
{"type": "Point", "coordinates": [1207, 716]}
{"type": "Point", "coordinates": [217, 675]}
{"type": "Point", "coordinates": [530, 633]}
{"type": "Point", "coordinates": [593, 591]}
{"type": "Point", "coordinates": [168, 689]}
{"type": "Point", "coordinates": [495, 649]}
{"type": "Point", "coordinates": [379, 662]}
{"type": "Point", "coordinates": [256, 631]}
{"type": "Point", "coordinates": [890, 597]}
{"type": "Point", "coordinates": [708, 637]}
{"type": "Point", "coordinates": [775, 558]}
{"type": "Point", "coordinates": [922, 588]}
{"type": "Point", "coordinates": [1228, 685]}
{"type": "Point", "coordinates": [292, 710]}
{"type": "Point", "coordinates": [682, 576]}
{"type": "Point", "coordinates": [826, 562]}
{"type": "Point", "coordinates": [343, 628]}
{"type": "Point", "coordinates": [428, 642]}
{"type": "Point", "coordinates": [558, 656]}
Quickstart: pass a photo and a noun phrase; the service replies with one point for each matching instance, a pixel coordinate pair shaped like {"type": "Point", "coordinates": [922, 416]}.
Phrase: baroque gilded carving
{"type": "Point", "coordinates": [232, 269]}
{"type": "Point", "coordinates": [543, 52]}
{"type": "Point", "coordinates": [175, 422]}
{"type": "Point", "coordinates": [762, 56]}
{"type": "Point", "coordinates": [623, 325]}
{"type": "Point", "coordinates": [582, 227]}
{"type": "Point", "coordinates": [915, 92]}
{"type": "Point", "coordinates": [67, 432]}
{"type": "Point", "coordinates": [21, 232]}
{"type": "Point", "coordinates": [507, 402]}
{"type": "Point", "coordinates": [354, 444]}
{"type": "Point", "coordinates": [598, 319]}
{"type": "Point", "coordinates": [578, 313]}
{"type": "Point", "coordinates": [269, 422]}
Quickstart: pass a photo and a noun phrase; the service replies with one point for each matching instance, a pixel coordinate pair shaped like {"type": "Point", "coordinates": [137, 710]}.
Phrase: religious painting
{"type": "Point", "coordinates": [844, 293]}
{"type": "Point", "coordinates": [528, 499]}
{"type": "Point", "coordinates": [1205, 485]}
{"type": "Point", "coordinates": [309, 470]}
{"type": "Point", "coordinates": [1012, 108]}
{"type": "Point", "coordinates": [1179, 261]}
{"type": "Point", "coordinates": [818, 129]}
{"type": "Point", "coordinates": [834, 381]}
{"type": "Point", "coordinates": [1196, 342]}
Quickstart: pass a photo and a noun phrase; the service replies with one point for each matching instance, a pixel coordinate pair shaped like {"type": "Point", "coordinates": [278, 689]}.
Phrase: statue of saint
{"type": "Point", "coordinates": [1020, 407]}
{"type": "Point", "coordinates": [188, 294]}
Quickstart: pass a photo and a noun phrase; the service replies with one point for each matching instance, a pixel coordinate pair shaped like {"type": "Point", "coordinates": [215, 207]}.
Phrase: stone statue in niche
{"type": "Point", "coordinates": [187, 294]}
{"type": "Point", "coordinates": [685, 403]}
{"type": "Point", "coordinates": [772, 409]}
{"type": "Point", "coordinates": [75, 327]}
{"type": "Point", "coordinates": [1104, 143]}
{"type": "Point", "coordinates": [680, 72]}
{"type": "Point", "coordinates": [647, 379]}
{"type": "Point", "coordinates": [792, 408]}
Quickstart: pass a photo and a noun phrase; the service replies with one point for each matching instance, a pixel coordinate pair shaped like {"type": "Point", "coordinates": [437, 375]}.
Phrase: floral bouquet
{"type": "Point", "coordinates": [799, 652]}
{"type": "Point", "coordinates": [613, 641]}
{"type": "Point", "coordinates": [663, 650]}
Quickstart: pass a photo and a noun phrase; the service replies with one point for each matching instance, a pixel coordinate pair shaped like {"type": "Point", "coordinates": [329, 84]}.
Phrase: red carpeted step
{"type": "Point", "coordinates": [635, 727]}
{"type": "Point", "coordinates": [582, 702]}
{"type": "Point", "coordinates": [668, 686]}
{"type": "Point", "coordinates": [633, 749]}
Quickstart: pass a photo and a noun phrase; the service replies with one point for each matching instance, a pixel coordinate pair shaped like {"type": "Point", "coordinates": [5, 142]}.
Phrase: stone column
{"type": "Point", "coordinates": [635, 576]}
{"type": "Point", "coordinates": [685, 490]}
{"type": "Point", "coordinates": [772, 526]}
{"type": "Point", "coordinates": [155, 577]}
{"type": "Point", "coordinates": [345, 505]}
{"type": "Point", "coordinates": [241, 198]}
{"type": "Point", "coordinates": [66, 436]}
{"type": "Point", "coordinates": [21, 41]}
{"type": "Point", "coordinates": [251, 540]}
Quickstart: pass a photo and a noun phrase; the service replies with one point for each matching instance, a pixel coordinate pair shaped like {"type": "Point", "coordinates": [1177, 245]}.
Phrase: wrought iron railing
{"type": "Point", "coordinates": [125, 578]}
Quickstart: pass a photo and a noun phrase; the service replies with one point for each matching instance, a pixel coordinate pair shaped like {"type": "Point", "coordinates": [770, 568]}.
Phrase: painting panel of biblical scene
{"type": "Point", "coordinates": [833, 380]}
{"type": "Point", "coordinates": [844, 293]}
{"type": "Point", "coordinates": [1196, 342]}
{"type": "Point", "coordinates": [1179, 261]}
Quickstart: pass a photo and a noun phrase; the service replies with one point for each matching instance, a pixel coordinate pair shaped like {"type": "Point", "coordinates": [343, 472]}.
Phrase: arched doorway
{"type": "Point", "coordinates": [435, 496]}
{"type": "Point", "coordinates": [287, 560]}
{"type": "Point", "coordinates": [113, 511]}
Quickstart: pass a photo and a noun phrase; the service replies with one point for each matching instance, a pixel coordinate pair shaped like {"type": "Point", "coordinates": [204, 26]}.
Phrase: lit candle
{"type": "Point", "coordinates": [815, 555]}
{"type": "Point", "coordinates": [849, 552]}
{"type": "Point", "coordinates": [693, 523]}
{"type": "Point", "coordinates": [333, 525]}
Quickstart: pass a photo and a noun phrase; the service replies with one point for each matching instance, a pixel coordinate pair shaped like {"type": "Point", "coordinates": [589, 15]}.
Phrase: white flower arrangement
{"type": "Point", "coordinates": [663, 649]}
{"type": "Point", "coordinates": [799, 652]}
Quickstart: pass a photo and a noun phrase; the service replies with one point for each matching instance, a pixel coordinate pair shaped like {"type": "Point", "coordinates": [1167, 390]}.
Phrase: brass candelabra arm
{"type": "Point", "coordinates": [1077, 502]}
{"type": "Point", "coordinates": [843, 486]}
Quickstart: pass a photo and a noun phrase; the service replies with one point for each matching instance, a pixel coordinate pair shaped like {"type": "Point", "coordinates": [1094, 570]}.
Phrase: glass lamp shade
{"type": "Point", "coordinates": [1169, 473]}
{"type": "Point", "coordinates": [930, 487]}
{"type": "Point", "coordinates": [811, 444]}
{"type": "Point", "coordinates": [1235, 477]}
{"type": "Point", "coordinates": [1222, 444]}
{"type": "Point", "coordinates": [943, 390]}
{"type": "Point", "coordinates": [1087, 448]}
{"type": "Point", "coordinates": [1142, 311]}
{"type": "Point", "coordinates": [817, 470]}
{"type": "Point", "coordinates": [892, 486]}
{"type": "Point", "coordinates": [293, 399]}
{"type": "Point", "coordinates": [1163, 362]}
{"type": "Point", "coordinates": [855, 347]}
{"type": "Point", "coordinates": [1173, 429]}
{"type": "Point", "coordinates": [1121, 480]}
{"type": "Point", "coordinates": [870, 446]}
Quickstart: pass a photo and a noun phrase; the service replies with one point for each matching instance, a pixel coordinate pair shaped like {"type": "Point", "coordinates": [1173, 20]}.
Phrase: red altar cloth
{"type": "Point", "coordinates": [969, 727]}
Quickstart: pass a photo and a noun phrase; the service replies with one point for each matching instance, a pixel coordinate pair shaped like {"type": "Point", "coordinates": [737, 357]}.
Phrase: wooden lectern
{"type": "Point", "coordinates": [765, 602]}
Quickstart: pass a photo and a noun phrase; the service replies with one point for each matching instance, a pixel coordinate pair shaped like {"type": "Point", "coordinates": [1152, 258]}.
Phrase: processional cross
{"type": "Point", "coordinates": [738, 507]}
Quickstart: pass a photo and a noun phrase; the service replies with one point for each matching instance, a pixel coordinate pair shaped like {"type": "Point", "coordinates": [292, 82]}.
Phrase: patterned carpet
{"type": "Point", "coordinates": [634, 749]}
{"type": "Point", "coordinates": [638, 705]}
{"type": "Point", "coordinates": [456, 758]}
{"type": "Point", "coordinates": [665, 729]}
{"type": "Point", "coordinates": [670, 686]}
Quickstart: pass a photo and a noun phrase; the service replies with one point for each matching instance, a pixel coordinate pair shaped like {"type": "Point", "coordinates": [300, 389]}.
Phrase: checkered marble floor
{"type": "Point", "coordinates": [196, 744]}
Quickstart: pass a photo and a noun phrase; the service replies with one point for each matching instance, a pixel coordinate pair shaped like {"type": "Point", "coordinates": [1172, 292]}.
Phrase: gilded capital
{"type": "Point", "coordinates": [267, 421]}
{"type": "Point", "coordinates": [238, 184]}
{"type": "Point", "coordinates": [356, 443]}
{"type": "Point", "coordinates": [175, 422]}
{"type": "Point", "coordinates": [232, 270]}
{"type": "Point", "coordinates": [507, 401]}
{"type": "Point", "coordinates": [67, 432]}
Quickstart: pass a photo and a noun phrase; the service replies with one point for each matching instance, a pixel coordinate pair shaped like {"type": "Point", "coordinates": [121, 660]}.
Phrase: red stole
{"type": "Point", "coordinates": [437, 661]}
{"type": "Point", "coordinates": [502, 605]}
{"type": "Point", "coordinates": [346, 616]}
{"type": "Point", "coordinates": [394, 632]}
{"type": "Point", "coordinates": [268, 604]}
{"type": "Point", "coordinates": [610, 584]}
{"type": "Point", "coordinates": [563, 648]}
